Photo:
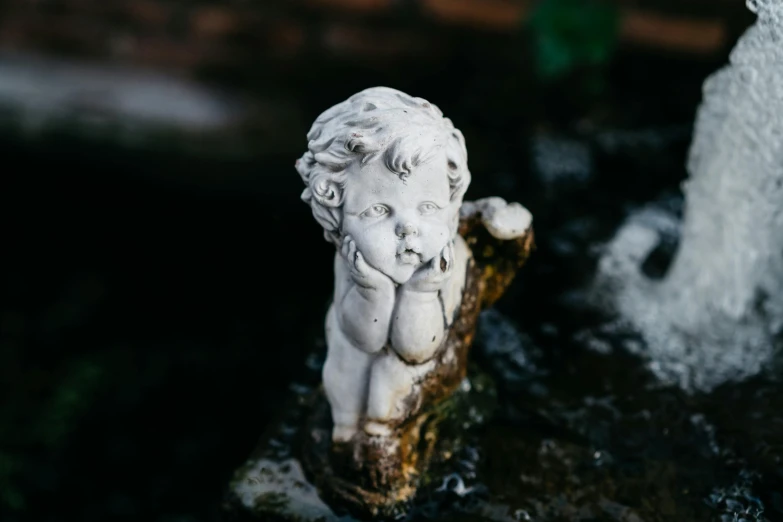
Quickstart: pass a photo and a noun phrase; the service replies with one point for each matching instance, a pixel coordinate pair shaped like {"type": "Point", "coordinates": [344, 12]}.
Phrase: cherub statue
{"type": "Point", "coordinates": [385, 174]}
{"type": "Point", "coordinates": [385, 177]}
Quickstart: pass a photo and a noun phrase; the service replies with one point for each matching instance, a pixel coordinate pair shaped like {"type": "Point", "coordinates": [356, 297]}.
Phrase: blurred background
{"type": "Point", "coordinates": [161, 281]}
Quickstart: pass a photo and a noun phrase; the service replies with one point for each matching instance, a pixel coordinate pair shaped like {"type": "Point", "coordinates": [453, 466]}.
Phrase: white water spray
{"type": "Point", "coordinates": [716, 314]}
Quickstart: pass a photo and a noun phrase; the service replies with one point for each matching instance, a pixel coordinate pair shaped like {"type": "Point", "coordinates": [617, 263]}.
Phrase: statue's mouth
{"type": "Point", "coordinates": [409, 256]}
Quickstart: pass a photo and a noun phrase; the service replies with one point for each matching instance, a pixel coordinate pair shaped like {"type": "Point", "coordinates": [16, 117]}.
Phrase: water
{"type": "Point", "coordinates": [718, 311]}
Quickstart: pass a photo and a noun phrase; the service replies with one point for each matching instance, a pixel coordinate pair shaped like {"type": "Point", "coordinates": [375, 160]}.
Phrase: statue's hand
{"type": "Point", "coordinates": [368, 280]}
{"type": "Point", "coordinates": [433, 276]}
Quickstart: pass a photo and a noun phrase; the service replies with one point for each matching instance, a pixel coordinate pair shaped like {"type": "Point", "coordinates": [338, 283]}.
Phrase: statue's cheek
{"type": "Point", "coordinates": [437, 233]}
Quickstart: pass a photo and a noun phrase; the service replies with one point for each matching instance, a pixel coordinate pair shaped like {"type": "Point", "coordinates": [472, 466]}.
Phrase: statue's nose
{"type": "Point", "coordinates": [407, 229]}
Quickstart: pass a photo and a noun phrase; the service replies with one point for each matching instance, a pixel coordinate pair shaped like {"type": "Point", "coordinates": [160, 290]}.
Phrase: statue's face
{"type": "Point", "coordinates": [399, 225]}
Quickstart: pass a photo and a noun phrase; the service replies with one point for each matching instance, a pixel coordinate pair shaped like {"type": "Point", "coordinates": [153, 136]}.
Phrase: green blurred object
{"type": "Point", "coordinates": [26, 429]}
{"type": "Point", "coordinates": [568, 34]}
{"type": "Point", "coordinates": [10, 496]}
{"type": "Point", "coordinates": [70, 400]}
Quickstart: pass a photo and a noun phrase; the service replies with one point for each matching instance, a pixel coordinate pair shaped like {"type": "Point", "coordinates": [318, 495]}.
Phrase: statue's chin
{"type": "Point", "coordinates": [401, 273]}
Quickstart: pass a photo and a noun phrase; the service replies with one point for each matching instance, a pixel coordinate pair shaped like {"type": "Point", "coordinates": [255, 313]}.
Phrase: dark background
{"type": "Point", "coordinates": [161, 287]}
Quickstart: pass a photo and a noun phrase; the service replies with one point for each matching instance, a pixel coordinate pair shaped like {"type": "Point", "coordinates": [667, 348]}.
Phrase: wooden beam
{"type": "Point", "coordinates": [702, 36]}
{"type": "Point", "coordinates": [503, 15]}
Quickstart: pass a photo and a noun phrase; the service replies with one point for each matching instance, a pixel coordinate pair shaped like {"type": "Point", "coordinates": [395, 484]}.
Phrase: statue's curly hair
{"type": "Point", "coordinates": [383, 123]}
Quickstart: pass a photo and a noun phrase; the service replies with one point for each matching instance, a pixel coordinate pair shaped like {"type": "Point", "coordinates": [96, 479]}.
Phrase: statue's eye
{"type": "Point", "coordinates": [428, 208]}
{"type": "Point", "coordinates": [376, 210]}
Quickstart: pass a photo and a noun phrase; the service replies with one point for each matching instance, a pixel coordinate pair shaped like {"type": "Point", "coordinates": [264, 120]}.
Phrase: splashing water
{"type": "Point", "coordinates": [717, 314]}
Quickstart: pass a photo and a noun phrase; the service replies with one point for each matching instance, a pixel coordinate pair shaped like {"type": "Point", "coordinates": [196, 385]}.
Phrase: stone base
{"type": "Point", "coordinates": [376, 476]}
{"type": "Point", "coordinates": [291, 476]}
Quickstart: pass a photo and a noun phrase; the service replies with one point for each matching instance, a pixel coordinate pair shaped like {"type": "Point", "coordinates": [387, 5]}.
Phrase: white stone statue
{"type": "Point", "coordinates": [385, 175]}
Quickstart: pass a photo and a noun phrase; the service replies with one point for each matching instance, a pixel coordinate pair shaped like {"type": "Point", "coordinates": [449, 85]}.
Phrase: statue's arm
{"type": "Point", "coordinates": [363, 313]}
{"type": "Point", "coordinates": [418, 325]}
